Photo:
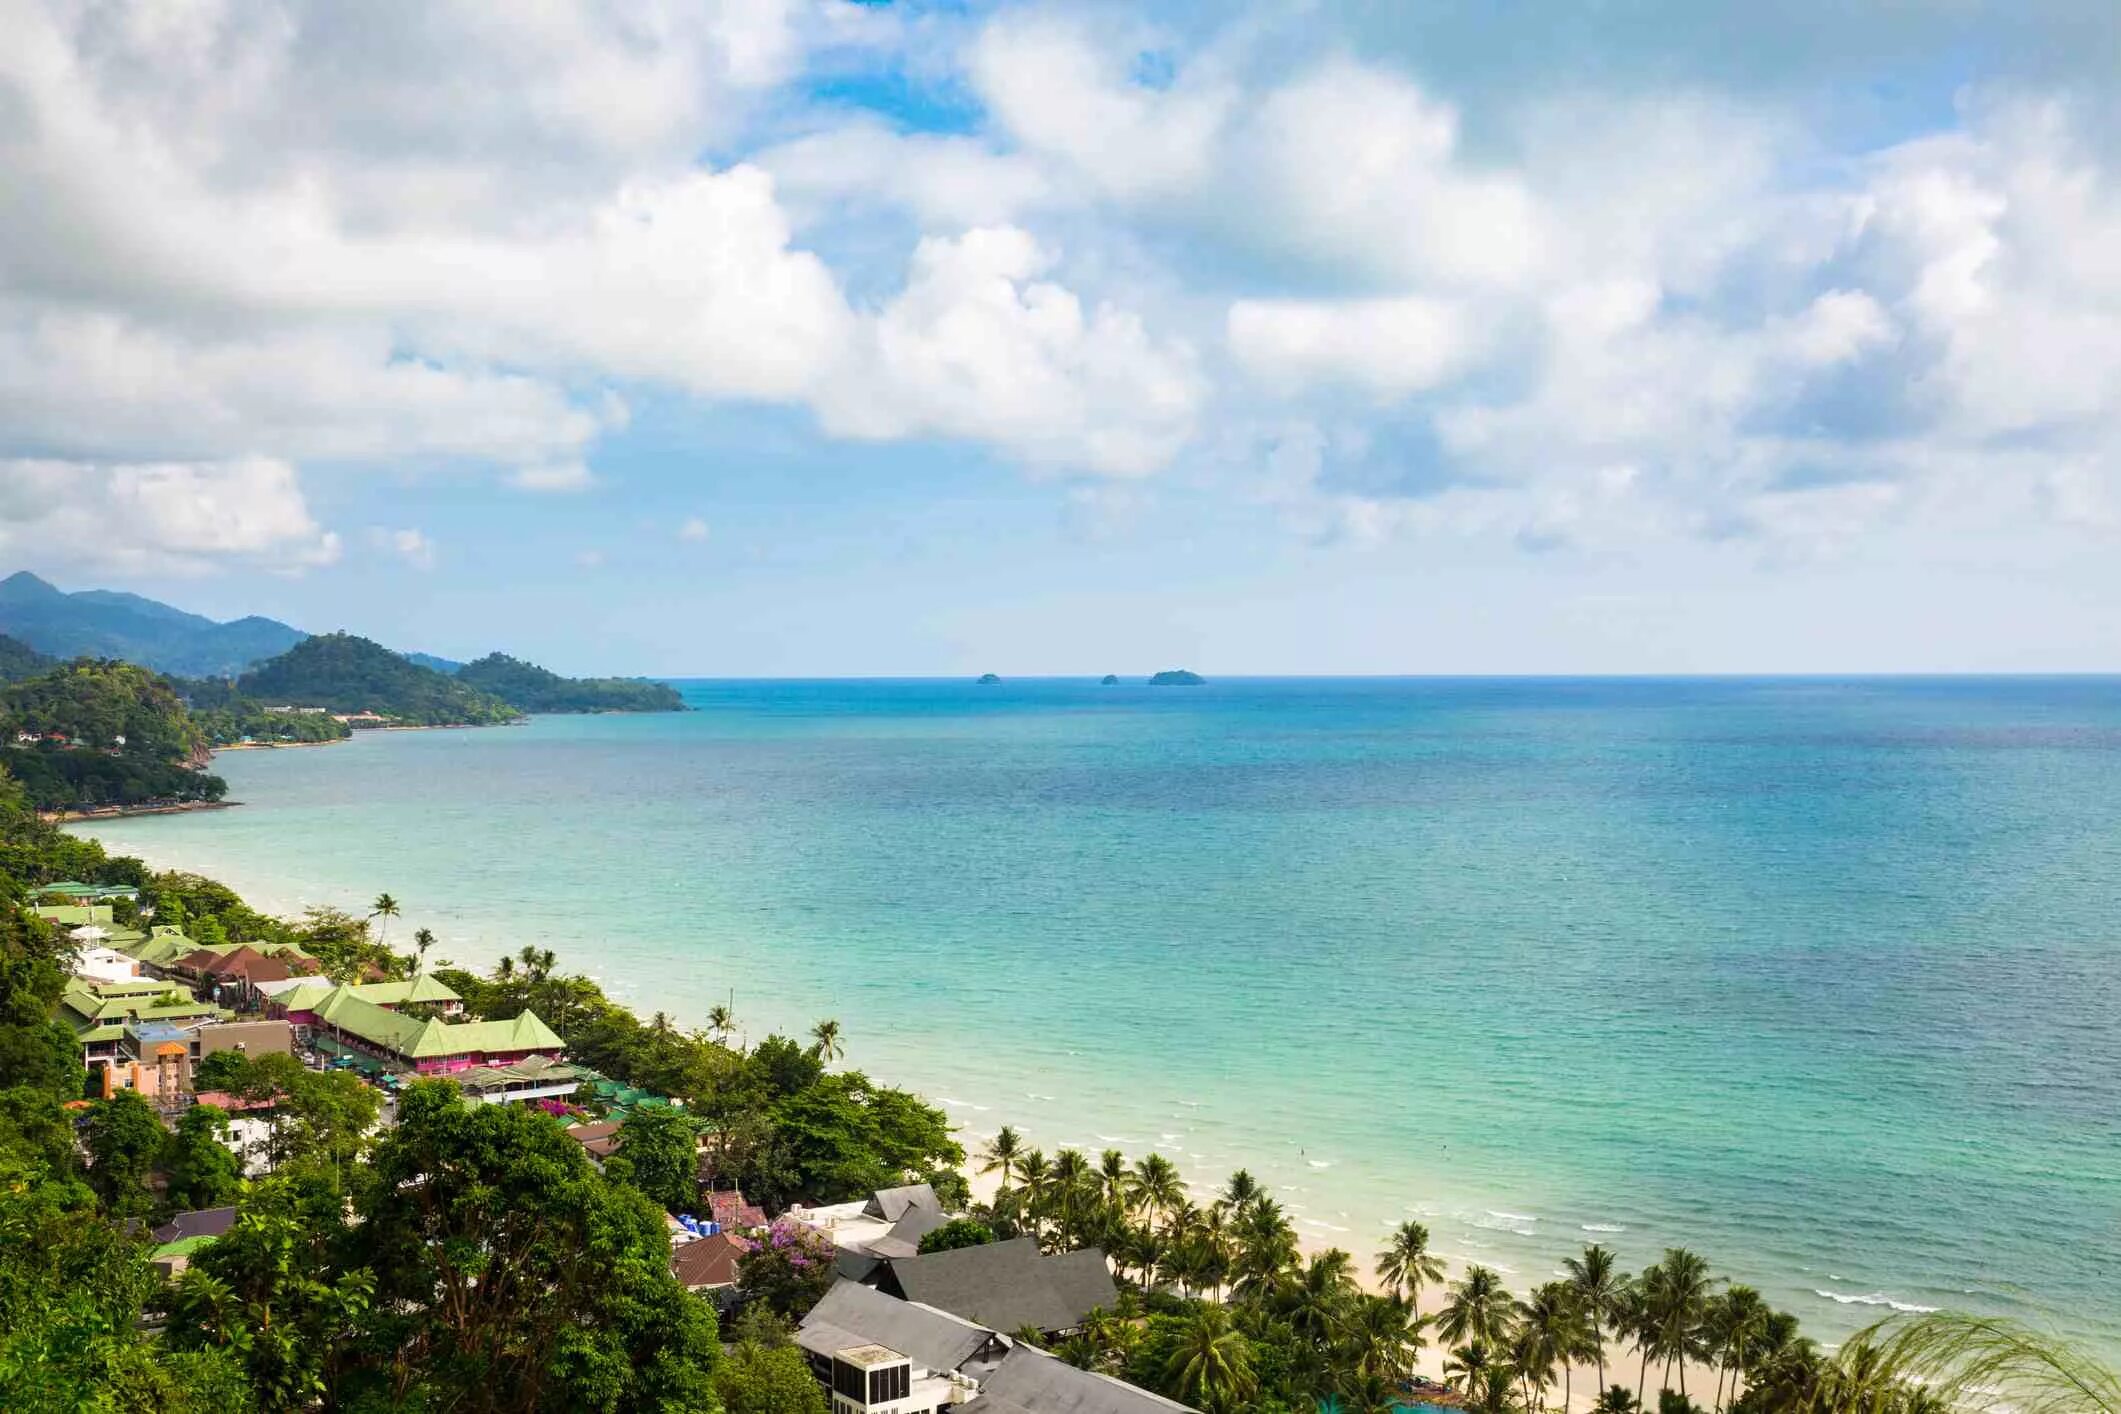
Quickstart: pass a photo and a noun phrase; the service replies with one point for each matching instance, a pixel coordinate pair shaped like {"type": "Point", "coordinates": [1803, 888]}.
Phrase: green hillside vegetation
{"type": "Point", "coordinates": [106, 734]}
{"type": "Point", "coordinates": [530, 688]}
{"type": "Point", "coordinates": [18, 660]}
{"type": "Point", "coordinates": [350, 674]}
{"type": "Point", "coordinates": [228, 717]}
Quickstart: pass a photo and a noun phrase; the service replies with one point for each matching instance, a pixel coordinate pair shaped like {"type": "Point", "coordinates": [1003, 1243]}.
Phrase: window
{"type": "Point", "coordinates": [892, 1382]}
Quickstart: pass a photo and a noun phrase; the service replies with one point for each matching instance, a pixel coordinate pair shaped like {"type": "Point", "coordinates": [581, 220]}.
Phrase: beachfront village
{"type": "Point", "coordinates": [249, 1163]}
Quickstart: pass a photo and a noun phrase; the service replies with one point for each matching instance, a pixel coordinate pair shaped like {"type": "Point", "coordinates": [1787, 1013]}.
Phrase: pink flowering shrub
{"type": "Point", "coordinates": [790, 1270]}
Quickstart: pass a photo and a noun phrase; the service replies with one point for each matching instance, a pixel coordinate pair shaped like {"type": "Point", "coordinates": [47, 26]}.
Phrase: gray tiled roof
{"type": "Point", "coordinates": [904, 1239]}
{"type": "Point", "coordinates": [936, 1339]}
{"type": "Point", "coordinates": [206, 1222]}
{"type": "Point", "coordinates": [891, 1204]}
{"type": "Point", "coordinates": [1007, 1286]}
{"type": "Point", "coordinates": [1033, 1382]}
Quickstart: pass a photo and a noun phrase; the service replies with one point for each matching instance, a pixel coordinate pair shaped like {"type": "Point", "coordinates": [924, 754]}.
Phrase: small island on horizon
{"type": "Point", "coordinates": [989, 679]}
{"type": "Point", "coordinates": [1109, 680]}
{"type": "Point", "coordinates": [1176, 677]}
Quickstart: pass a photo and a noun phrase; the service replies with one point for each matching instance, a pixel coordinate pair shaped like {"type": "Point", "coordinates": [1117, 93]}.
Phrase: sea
{"type": "Point", "coordinates": [1820, 978]}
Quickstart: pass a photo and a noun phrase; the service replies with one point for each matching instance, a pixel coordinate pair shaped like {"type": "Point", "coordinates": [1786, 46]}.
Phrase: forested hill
{"type": "Point", "coordinates": [530, 688]}
{"type": "Point", "coordinates": [349, 674]}
{"type": "Point", "coordinates": [93, 734]}
{"type": "Point", "coordinates": [18, 660]}
{"type": "Point", "coordinates": [103, 623]}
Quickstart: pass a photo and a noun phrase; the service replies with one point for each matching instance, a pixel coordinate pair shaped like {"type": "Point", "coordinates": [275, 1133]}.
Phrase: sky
{"type": "Point", "coordinates": [778, 338]}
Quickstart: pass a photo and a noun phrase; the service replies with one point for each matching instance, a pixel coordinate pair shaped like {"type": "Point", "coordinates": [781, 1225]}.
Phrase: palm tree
{"type": "Point", "coordinates": [660, 1023]}
{"type": "Point", "coordinates": [1112, 1177]}
{"type": "Point", "coordinates": [1465, 1365]}
{"type": "Point", "coordinates": [1242, 1190]}
{"type": "Point", "coordinates": [1035, 1175]}
{"type": "Point", "coordinates": [1313, 1300]}
{"type": "Point", "coordinates": [1407, 1262]}
{"type": "Point", "coordinates": [1980, 1364]}
{"type": "Point", "coordinates": [1675, 1298]}
{"type": "Point", "coordinates": [1074, 1186]}
{"type": "Point", "coordinates": [386, 908]}
{"type": "Point", "coordinates": [1553, 1330]}
{"type": "Point", "coordinates": [720, 1022]}
{"type": "Point", "coordinates": [504, 970]}
{"type": "Point", "coordinates": [422, 940]}
{"type": "Point", "coordinates": [1210, 1366]}
{"type": "Point", "coordinates": [1383, 1334]}
{"type": "Point", "coordinates": [1598, 1282]}
{"type": "Point", "coordinates": [1734, 1322]}
{"type": "Point", "coordinates": [1002, 1153]}
{"type": "Point", "coordinates": [825, 1041]}
{"type": "Point", "coordinates": [1157, 1186]}
{"type": "Point", "coordinates": [1493, 1391]}
{"type": "Point", "coordinates": [1266, 1249]}
{"type": "Point", "coordinates": [537, 964]}
{"type": "Point", "coordinates": [1480, 1309]}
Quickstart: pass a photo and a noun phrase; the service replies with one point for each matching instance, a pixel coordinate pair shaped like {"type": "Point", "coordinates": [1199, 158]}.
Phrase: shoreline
{"type": "Point", "coordinates": [132, 812]}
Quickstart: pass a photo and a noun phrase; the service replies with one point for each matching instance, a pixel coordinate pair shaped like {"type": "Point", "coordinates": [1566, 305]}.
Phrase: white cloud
{"type": "Point", "coordinates": [410, 545]}
{"type": "Point", "coordinates": [170, 517]}
{"type": "Point", "coordinates": [977, 346]}
{"type": "Point", "coordinates": [1387, 346]}
{"type": "Point", "coordinates": [694, 530]}
{"type": "Point", "coordinates": [553, 476]}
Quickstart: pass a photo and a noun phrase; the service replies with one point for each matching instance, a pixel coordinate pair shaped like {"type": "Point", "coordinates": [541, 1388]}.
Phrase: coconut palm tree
{"type": "Point", "coordinates": [1266, 1249]}
{"type": "Point", "coordinates": [386, 908]}
{"type": "Point", "coordinates": [1464, 1366]}
{"type": "Point", "coordinates": [1733, 1323]}
{"type": "Point", "coordinates": [1242, 1189]}
{"type": "Point", "coordinates": [1493, 1391]}
{"type": "Point", "coordinates": [1979, 1364]}
{"type": "Point", "coordinates": [1002, 1153]}
{"type": "Point", "coordinates": [1407, 1262]}
{"type": "Point", "coordinates": [1035, 1176]}
{"type": "Point", "coordinates": [1480, 1309]}
{"type": "Point", "coordinates": [1314, 1300]}
{"type": "Point", "coordinates": [1157, 1186]}
{"type": "Point", "coordinates": [1382, 1334]}
{"type": "Point", "coordinates": [1553, 1331]}
{"type": "Point", "coordinates": [422, 940]}
{"type": "Point", "coordinates": [825, 1041]}
{"type": "Point", "coordinates": [1112, 1177]}
{"type": "Point", "coordinates": [1675, 1298]}
{"type": "Point", "coordinates": [537, 963]}
{"type": "Point", "coordinates": [721, 1021]}
{"type": "Point", "coordinates": [1210, 1366]}
{"type": "Point", "coordinates": [1598, 1282]}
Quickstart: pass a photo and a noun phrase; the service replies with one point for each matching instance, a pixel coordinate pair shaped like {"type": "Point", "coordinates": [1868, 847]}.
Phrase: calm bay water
{"type": "Point", "coordinates": [1820, 978]}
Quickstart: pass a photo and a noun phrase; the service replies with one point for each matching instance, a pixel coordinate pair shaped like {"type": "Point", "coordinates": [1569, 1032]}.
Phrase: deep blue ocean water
{"type": "Point", "coordinates": [1822, 978]}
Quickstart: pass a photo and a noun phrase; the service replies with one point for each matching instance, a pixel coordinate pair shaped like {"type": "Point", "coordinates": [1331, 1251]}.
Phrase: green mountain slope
{"type": "Point", "coordinates": [102, 733]}
{"type": "Point", "coordinates": [18, 660]}
{"type": "Point", "coordinates": [350, 674]}
{"type": "Point", "coordinates": [102, 623]}
{"type": "Point", "coordinates": [530, 688]}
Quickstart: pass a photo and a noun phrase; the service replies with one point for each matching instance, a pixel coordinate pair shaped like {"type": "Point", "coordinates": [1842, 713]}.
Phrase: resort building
{"type": "Point", "coordinates": [296, 1001]}
{"type": "Point", "coordinates": [159, 1059]}
{"type": "Point", "coordinates": [896, 1217]}
{"type": "Point", "coordinates": [524, 1082]}
{"type": "Point", "coordinates": [708, 1265]}
{"type": "Point", "coordinates": [233, 972]}
{"type": "Point", "coordinates": [184, 1234]}
{"type": "Point", "coordinates": [99, 1012]}
{"type": "Point", "coordinates": [1006, 1286]}
{"type": "Point", "coordinates": [96, 963]}
{"type": "Point", "coordinates": [878, 1355]}
{"type": "Point", "coordinates": [345, 1020]}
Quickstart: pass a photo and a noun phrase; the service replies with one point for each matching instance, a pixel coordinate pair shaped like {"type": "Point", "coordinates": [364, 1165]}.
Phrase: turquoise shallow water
{"type": "Point", "coordinates": [1821, 978]}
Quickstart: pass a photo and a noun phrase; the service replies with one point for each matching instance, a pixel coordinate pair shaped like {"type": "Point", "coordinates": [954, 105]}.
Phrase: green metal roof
{"type": "Point", "coordinates": [419, 989]}
{"type": "Point", "coordinates": [424, 1038]}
